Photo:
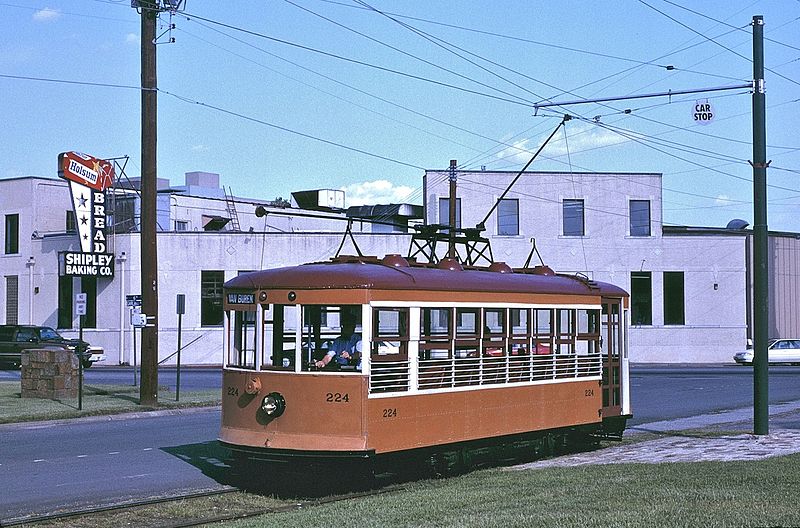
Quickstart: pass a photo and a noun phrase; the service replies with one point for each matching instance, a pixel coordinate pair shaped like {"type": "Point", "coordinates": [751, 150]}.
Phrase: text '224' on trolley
{"type": "Point", "coordinates": [370, 358]}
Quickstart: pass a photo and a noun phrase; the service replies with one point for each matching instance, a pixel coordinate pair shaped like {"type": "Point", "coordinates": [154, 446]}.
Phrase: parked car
{"type": "Point", "coordinates": [778, 351]}
{"type": "Point", "coordinates": [16, 338]}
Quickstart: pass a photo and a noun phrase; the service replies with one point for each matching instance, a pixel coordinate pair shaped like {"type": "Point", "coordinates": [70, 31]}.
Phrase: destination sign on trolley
{"type": "Point", "coordinates": [241, 298]}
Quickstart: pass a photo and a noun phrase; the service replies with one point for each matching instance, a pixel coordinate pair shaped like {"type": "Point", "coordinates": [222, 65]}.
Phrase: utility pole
{"type": "Point", "coordinates": [760, 238]}
{"type": "Point", "coordinates": [451, 247]}
{"type": "Point", "coordinates": [148, 389]}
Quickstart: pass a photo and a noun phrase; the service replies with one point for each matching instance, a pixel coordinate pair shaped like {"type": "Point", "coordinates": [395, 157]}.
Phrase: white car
{"type": "Point", "coordinates": [779, 351]}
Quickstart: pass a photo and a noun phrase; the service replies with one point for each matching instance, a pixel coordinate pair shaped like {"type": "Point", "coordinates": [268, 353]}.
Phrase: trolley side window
{"type": "Point", "coordinates": [389, 356]}
{"type": "Point", "coordinates": [390, 334]}
{"type": "Point", "coordinates": [542, 332]}
{"type": "Point", "coordinates": [494, 332]}
{"type": "Point", "coordinates": [436, 333]}
{"type": "Point", "coordinates": [565, 331]}
{"type": "Point", "coordinates": [280, 336]}
{"type": "Point", "coordinates": [242, 349]}
{"type": "Point", "coordinates": [467, 332]}
{"type": "Point", "coordinates": [588, 338]}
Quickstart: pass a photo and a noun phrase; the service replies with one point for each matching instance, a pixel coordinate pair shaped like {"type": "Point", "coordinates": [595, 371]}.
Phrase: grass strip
{"type": "Point", "coordinates": [752, 493]}
{"type": "Point", "coordinates": [97, 400]}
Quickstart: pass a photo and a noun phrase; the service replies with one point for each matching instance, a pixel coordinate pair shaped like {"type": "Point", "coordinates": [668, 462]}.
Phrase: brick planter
{"type": "Point", "coordinates": [49, 374]}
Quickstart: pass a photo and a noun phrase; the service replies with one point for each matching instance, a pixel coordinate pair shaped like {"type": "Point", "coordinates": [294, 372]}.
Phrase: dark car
{"type": "Point", "coordinates": [16, 338]}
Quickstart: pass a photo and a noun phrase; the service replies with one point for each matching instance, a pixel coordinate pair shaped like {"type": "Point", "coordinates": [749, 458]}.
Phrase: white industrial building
{"type": "Point", "coordinates": [689, 286]}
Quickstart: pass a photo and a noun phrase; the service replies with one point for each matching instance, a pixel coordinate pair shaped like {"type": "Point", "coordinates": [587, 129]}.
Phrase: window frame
{"type": "Point", "coordinates": [444, 212]}
{"type": "Point", "coordinates": [570, 204]}
{"type": "Point", "coordinates": [673, 313]}
{"type": "Point", "coordinates": [210, 303]}
{"type": "Point", "coordinates": [641, 308]}
{"type": "Point", "coordinates": [508, 228]}
{"type": "Point", "coordinates": [11, 237]}
{"type": "Point", "coordinates": [636, 226]}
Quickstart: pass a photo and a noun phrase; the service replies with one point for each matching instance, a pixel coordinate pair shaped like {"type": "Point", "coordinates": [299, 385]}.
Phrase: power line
{"type": "Point", "coordinates": [289, 130]}
{"type": "Point", "coordinates": [398, 50]}
{"type": "Point", "coordinates": [518, 101]}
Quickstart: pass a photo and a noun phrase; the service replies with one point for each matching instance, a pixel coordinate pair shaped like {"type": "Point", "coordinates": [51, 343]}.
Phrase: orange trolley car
{"type": "Point", "coordinates": [450, 356]}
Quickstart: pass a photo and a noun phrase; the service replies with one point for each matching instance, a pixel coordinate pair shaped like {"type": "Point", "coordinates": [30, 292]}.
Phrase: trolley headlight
{"type": "Point", "coordinates": [273, 404]}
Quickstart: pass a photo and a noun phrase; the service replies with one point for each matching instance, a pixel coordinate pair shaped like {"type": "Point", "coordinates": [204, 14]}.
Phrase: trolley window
{"type": "Point", "coordinates": [244, 339]}
{"type": "Point", "coordinates": [389, 358]}
{"type": "Point", "coordinates": [331, 337]}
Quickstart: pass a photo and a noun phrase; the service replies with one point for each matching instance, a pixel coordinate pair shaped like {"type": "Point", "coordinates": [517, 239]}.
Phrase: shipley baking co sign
{"type": "Point", "coordinates": [88, 179]}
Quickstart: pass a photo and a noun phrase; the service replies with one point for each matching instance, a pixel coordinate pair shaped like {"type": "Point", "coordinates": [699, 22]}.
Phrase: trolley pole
{"type": "Point", "coordinates": [148, 390]}
{"type": "Point", "coordinates": [451, 247]}
{"type": "Point", "coordinates": [760, 238]}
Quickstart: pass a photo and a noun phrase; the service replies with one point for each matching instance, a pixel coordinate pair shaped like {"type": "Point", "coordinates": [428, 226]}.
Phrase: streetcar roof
{"type": "Point", "coordinates": [396, 273]}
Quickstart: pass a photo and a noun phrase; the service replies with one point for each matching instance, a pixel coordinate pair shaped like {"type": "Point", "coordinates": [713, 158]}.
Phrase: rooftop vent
{"type": "Point", "coordinates": [737, 223]}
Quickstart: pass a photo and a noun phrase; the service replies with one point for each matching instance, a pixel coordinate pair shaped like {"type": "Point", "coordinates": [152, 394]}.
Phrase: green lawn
{"type": "Point", "coordinates": [761, 493]}
{"type": "Point", "coordinates": [97, 400]}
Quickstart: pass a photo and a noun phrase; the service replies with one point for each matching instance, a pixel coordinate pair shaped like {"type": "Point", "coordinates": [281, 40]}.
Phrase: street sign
{"type": "Point", "coordinates": [133, 301]}
{"type": "Point", "coordinates": [703, 112]}
{"type": "Point", "coordinates": [80, 304]}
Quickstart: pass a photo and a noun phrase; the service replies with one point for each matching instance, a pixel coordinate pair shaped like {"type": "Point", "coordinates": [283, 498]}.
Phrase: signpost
{"type": "Point", "coordinates": [134, 303]}
{"type": "Point", "coordinates": [80, 311]}
{"type": "Point", "coordinates": [180, 309]}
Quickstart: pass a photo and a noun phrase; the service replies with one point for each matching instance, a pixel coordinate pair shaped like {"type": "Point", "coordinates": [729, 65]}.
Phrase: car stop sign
{"type": "Point", "coordinates": [703, 112]}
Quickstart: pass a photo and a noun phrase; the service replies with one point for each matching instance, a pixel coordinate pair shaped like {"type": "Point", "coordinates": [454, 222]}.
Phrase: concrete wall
{"type": "Point", "coordinates": [715, 319]}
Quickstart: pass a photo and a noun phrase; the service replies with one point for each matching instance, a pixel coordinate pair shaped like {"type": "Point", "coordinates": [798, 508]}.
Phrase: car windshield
{"type": "Point", "coordinates": [49, 333]}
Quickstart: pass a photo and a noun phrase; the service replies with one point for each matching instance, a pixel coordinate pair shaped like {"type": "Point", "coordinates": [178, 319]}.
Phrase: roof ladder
{"type": "Point", "coordinates": [231, 208]}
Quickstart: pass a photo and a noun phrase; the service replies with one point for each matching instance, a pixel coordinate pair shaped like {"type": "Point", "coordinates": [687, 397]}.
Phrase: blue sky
{"type": "Point", "coordinates": [278, 96]}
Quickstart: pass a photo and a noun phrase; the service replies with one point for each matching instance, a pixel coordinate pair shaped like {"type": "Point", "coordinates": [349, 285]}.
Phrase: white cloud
{"type": "Point", "coordinates": [199, 148]}
{"type": "Point", "coordinates": [377, 192]}
{"type": "Point", "coordinates": [46, 15]}
{"type": "Point", "coordinates": [723, 199]}
{"type": "Point", "coordinates": [580, 138]}
{"type": "Point", "coordinates": [132, 38]}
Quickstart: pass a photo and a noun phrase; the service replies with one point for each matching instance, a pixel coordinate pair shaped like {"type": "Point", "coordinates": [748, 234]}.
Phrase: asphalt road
{"type": "Point", "coordinates": [50, 465]}
{"type": "Point", "coordinates": [663, 393]}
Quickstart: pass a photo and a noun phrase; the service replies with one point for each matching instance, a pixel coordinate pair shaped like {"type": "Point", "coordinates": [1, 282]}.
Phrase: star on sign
{"type": "Point", "coordinates": [82, 200]}
{"type": "Point", "coordinates": [84, 220]}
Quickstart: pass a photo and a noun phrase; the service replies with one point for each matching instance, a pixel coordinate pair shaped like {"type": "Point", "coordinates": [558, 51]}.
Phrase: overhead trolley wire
{"type": "Point", "coordinates": [518, 101]}
{"type": "Point", "coordinates": [317, 88]}
{"type": "Point", "coordinates": [289, 130]}
{"type": "Point", "coordinates": [717, 43]}
{"type": "Point", "coordinates": [398, 50]}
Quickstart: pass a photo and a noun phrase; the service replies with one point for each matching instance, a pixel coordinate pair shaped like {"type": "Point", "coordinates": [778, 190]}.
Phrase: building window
{"type": "Point", "coordinates": [640, 217]}
{"type": "Point", "coordinates": [642, 298]}
{"type": "Point", "coordinates": [211, 297]}
{"type": "Point", "coordinates": [573, 218]}
{"type": "Point", "coordinates": [444, 211]}
{"type": "Point", "coordinates": [181, 225]}
{"type": "Point", "coordinates": [12, 299]}
{"type": "Point", "coordinates": [674, 313]}
{"type": "Point", "coordinates": [71, 226]}
{"type": "Point", "coordinates": [508, 217]}
{"type": "Point", "coordinates": [65, 302]}
{"type": "Point", "coordinates": [12, 234]}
